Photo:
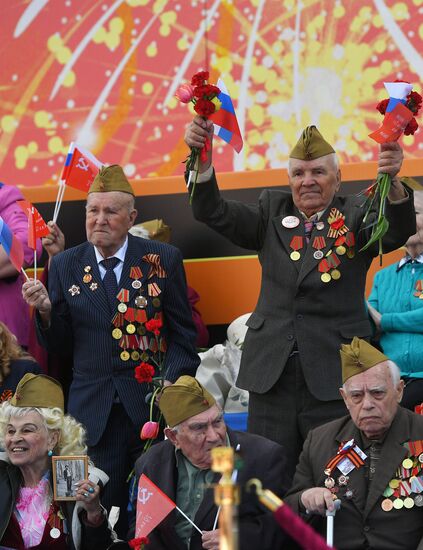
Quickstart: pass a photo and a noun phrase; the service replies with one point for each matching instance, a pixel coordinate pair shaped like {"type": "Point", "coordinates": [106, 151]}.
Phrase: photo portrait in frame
{"type": "Point", "coordinates": [67, 470]}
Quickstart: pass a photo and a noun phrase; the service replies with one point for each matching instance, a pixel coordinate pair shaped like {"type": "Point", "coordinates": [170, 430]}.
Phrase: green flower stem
{"type": "Point", "coordinates": [153, 397]}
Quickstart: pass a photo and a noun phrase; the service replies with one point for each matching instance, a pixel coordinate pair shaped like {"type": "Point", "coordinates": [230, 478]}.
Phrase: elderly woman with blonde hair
{"type": "Point", "coordinates": [33, 427]}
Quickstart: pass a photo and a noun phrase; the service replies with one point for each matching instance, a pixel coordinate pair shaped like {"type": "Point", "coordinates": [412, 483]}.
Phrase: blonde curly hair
{"type": "Point", "coordinates": [9, 351]}
{"type": "Point", "coordinates": [72, 434]}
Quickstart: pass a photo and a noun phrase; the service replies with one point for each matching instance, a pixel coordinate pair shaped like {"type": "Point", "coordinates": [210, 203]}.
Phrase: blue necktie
{"type": "Point", "coordinates": [109, 280]}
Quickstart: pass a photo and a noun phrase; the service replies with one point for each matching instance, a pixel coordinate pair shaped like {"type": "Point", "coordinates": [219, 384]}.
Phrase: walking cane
{"type": "Point", "coordinates": [329, 522]}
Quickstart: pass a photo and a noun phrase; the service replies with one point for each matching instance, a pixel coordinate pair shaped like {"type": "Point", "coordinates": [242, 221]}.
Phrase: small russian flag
{"type": "Point", "coordinates": [224, 120]}
{"type": "Point", "coordinates": [11, 245]}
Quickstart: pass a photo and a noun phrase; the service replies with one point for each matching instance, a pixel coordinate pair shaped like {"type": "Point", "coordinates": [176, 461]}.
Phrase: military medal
{"type": "Point", "coordinates": [117, 333]}
{"type": "Point", "coordinates": [290, 222]}
{"type": "Point", "coordinates": [141, 301]}
{"type": "Point", "coordinates": [135, 356]}
{"type": "Point", "coordinates": [87, 268]}
{"type": "Point", "coordinates": [340, 248]}
{"type": "Point", "coordinates": [74, 290]}
{"type": "Point", "coordinates": [337, 225]}
{"type": "Point", "coordinates": [297, 243]}
{"type": "Point", "coordinates": [55, 533]}
{"type": "Point", "coordinates": [87, 278]}
{"type": "Point", "coordinates": [318, 244]}
{"type": "Point", "coordinates": [136, 274]}
{"type": "Point", "coordinates": [123, 296]}
{"type": "Point", "coordinates": [153, 289]}
{"type": "Point", "coordinates": [319, 226]}
{"type": "Point", "coordinates": [93, 286]}
{"type": "Point", "coordinates": [125, 355]}
{"type": "Point", "coordinates": [349, 243]}
{"type": "Point", "coordinates": [387, 505]}
{"type": "Point", "coordinates": [130, 329]}
{"type": "Point", "coordinates": [156, 302]}
{"type": "Point", "coordinates": [333, 262]}
{"type": "Point", "coordinates": [324, 270]}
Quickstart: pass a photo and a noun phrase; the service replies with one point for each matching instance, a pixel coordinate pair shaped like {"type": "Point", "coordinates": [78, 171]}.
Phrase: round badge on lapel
{"type": "Point", "coordinates": [290, 222]}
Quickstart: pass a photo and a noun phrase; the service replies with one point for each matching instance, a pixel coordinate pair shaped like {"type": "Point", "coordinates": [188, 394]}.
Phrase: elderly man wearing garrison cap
{"type": "Point", "coordinates": [372, 460]}
{"type": "Point", "coordinates": [312, 284]}
{"type": "Point", "coordinates": [100, 294]}
{"type": "Point", "coordinates": [180, 466]}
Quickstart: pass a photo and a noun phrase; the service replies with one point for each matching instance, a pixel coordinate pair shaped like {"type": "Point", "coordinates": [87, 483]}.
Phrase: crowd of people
{"type": "Point", "coordinates": [325, 414]}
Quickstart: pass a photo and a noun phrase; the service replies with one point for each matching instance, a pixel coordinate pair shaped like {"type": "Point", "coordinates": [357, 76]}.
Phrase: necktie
{"type": "Point", "coordinates": [308, 227]}
{"type": "Point", "coordinates": [109, 280]}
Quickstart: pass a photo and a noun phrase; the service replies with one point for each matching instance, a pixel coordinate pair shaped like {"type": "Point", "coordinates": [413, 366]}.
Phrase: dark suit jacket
{"type": "Point", "coordinates": [81, 323]}
{"type": "Point", "coordinates": [361, 522]}
{"type": "Point", "coordinates": [261, 458]}
{"type": "Point", "coordinates": [294, 305]}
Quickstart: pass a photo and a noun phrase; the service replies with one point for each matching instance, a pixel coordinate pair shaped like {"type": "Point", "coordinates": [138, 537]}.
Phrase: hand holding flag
{"type": "Point", "coordinates": [37, 228]}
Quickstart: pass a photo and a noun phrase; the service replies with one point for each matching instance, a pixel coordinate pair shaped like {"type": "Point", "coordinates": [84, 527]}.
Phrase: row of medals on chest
{"type": "Point", "coordinates": [407, 483]}
{"type": "Point", "coordinates": [319, 243]}
{"type": "Point", "coordinates": [410, 468]}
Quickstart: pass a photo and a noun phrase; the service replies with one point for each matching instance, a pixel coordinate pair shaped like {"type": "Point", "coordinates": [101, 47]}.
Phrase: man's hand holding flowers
{"type": "Point", "coordinates": [198, 132]}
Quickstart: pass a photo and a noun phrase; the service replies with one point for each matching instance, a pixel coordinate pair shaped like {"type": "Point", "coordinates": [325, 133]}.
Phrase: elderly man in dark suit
{"type": "Point", "coordinates": [372, 460]}
{"type": "Point", "coordinates": [313, 280]}
{"type": "Point", "coordinates": [180, 466]}
{"type": "Point", "coordinates": [100, 296]}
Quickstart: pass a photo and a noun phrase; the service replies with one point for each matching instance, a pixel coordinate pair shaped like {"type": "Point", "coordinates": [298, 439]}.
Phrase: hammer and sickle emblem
{"type": "Point", "coordinates": [82, 164]}
{"type": "Point", "coordinates": [145, 495]}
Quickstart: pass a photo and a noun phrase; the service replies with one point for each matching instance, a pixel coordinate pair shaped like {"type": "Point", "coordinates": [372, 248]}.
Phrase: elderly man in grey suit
{"type": "Point", "coordinates": [313, 280]}
{"type": "Point", "coordinates": [371, 460]}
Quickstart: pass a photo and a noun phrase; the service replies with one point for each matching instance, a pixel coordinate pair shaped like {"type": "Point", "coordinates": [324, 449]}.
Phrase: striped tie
{"type": "Point", "coordinates": [109, 280]}
{"type": "Point", "coordinates": [308, 228]}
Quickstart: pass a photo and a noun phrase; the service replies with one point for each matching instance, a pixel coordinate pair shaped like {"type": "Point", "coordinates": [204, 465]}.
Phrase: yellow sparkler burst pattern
{"type": "Point", "coordinates": [104, 74]}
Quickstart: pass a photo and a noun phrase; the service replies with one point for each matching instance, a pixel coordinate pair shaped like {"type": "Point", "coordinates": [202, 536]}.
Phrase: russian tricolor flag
{"type": "Point", "coordinates": [224, 120]}
{"type": "Point", "coordinates": [11, 245]}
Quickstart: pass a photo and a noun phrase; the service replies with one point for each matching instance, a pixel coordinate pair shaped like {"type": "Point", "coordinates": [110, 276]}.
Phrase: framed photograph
{"type": "Point", "coordinates": [67, 470]}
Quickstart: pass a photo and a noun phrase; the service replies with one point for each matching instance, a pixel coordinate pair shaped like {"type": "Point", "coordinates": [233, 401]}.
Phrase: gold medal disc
{"type": "Point", "coordinates": [130, 329]}
{"type": "Point", "coordinates": [340, 250]}
{"type": "Point", "coordinates": [141, 330]}
{"type": "Point", "coordinates": [407, 463]}
{"type": "Point", "coordinates": [117, 333]}
{"type": "Point", "coordinates": [156, 302]}
{"type": "Point", "coordinates": [325, 277]}
{"type": "Point", "coordinates": [394, 483]}
{"type": "Point", "coordinates": [350, 253]}
{"type": "Point", "coordinates": [87, 278]}
{"type": "Point", "coordinates": [295, 255]}
{"type": "Point", "coordinates": [335, 274]}
{"type": "Point", "coordinates": [135, 356]}
{"type": "Point", "coordinates": [145, 356]}
{"type": "Point", "coordinates": [122, 308]}
{"type": "Point", "coordinates": [125, 355]}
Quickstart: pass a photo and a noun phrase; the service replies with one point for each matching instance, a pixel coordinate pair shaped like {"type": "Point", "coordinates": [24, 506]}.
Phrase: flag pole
{"type": "Point", "coordinates": [24, 272]}
{"type": "Point", "coordinates": [188, 519]}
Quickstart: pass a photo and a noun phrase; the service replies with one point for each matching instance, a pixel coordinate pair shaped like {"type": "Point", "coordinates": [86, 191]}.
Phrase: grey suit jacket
{"type": "Point", "coordinates": [294, 306]}
{"type": "Point", "coordinates": [361, 522]}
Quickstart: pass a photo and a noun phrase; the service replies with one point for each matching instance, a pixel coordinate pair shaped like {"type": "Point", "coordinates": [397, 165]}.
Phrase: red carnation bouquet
{"type": "Point", "coordinates": [205, 100]}
{"type": "Point", "coordinates": [399, 118]}
{"type": "Point", "coordinates": [152, 371]}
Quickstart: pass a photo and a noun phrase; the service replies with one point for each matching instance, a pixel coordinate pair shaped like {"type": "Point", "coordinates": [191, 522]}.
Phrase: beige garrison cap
{"type": "Point", "coordinates": [358, 357]}
{"type": "Point", "coordinates": [184, 399]}
{"type": "Point", "coordinates": [111, 178]}
{"type": "Point", "coordinates": [38, 390]}
{"type": "Point", "coordinates": [311, 145]}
